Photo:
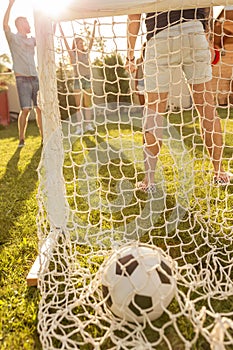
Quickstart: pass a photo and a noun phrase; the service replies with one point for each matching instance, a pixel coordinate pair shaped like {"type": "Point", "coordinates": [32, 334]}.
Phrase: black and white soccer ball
{"type": "Point", "coordinates": [138, 282]}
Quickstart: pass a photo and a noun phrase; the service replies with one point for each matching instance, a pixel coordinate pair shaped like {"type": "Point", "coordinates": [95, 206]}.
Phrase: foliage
{"type": "Point", "coordinates": [112, 76]}
{"type": "Point", "coordinates": [6, 76]}
{"type": "Point", "coordinates": [65, 90]}
{"type": "Point", "coordinates": [98, 43]}
{"type": "Point", "coordinates": [115, 78]}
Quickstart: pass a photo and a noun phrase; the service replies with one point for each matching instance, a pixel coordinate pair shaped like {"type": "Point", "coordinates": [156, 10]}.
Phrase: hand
{"type": "Point", "coordinates": [11, 2]}
{"type": "Point", "coordinates": [130, 66]}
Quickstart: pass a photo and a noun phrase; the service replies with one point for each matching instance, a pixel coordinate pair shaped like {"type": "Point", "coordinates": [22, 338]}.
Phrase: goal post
{"type": "Point", "coordinates": [51, 181]}
{"type": "Point", "coordinates": [90, 206]}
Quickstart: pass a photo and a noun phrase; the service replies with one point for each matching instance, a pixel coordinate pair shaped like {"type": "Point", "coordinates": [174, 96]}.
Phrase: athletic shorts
{"type": "Point", "coordinates": [27, 88]}
{"type": "Point", "coordinates": [184, 47]}
{"type": "Point", "coordinates": [82, 83]}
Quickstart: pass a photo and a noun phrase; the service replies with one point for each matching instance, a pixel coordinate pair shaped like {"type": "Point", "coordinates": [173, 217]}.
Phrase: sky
{"type": "Point", "coordinates": [24, 8]}
{"type": "Point", "coordinates": [20, 8]}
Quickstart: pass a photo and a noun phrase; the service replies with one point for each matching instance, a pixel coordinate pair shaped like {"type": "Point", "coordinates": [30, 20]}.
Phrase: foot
{"type": "Point", "coordinates": [21, 143]}
{"type": "Point", "coordinates": [144, 187]}
{"type": "Point", "coordinates": [89, 127]}
{"type": "Point", "coordinates": [223, 179]}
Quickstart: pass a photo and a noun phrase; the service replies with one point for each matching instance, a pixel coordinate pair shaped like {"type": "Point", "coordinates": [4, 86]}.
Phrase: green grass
{"type": "Point", "coordinates": [18, 238]}
{"type": "Point", "coordinates": [18, 211]}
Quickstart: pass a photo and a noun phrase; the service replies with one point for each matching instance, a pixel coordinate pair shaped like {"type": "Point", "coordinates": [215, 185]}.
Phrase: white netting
{"type": "Point", "coordinates": [90, 207]}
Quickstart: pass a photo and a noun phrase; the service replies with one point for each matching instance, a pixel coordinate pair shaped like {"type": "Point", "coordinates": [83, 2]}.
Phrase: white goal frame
{"type": "Point", "coordinates": [53, 183]}
{"type": "Point", "coordinates": [49, 104]}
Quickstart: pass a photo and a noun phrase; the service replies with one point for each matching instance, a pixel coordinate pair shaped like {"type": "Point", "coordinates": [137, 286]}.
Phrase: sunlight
{"type": "Point", "coordinates": [52, 8]}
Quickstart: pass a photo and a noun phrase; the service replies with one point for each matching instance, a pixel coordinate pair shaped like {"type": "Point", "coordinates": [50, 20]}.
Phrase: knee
{"type": "Point", "coordinates": [154, 125]}
{"type": "Point", "coordinates": [151, 144]}
{"type": "Point", "coordinates": [25, 112]}
{"type": "Point", "coordinates": [150, 124]}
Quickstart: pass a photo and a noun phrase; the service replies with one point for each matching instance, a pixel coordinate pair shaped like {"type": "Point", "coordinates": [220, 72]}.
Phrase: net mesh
{"type": "Point", "coordinates": [89, 204]}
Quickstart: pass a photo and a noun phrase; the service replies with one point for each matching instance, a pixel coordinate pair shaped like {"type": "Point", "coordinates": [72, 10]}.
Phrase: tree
{"type": "Point", "coordinates": [6, 75]}
{"type": "Point", "coordinates": [115, 78]}
{"type": "Point", "coordinates": [65, 90]}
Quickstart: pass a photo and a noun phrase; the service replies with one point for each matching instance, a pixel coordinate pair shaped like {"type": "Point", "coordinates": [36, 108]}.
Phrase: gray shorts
{"type": "Point", "coordinates": [83, 83]}
{"type": "Point", "coordinates": [27, 88]}
{"type": "Point", "coordinates": [141, 85]}
{"type": "Point", "coordinates": [184, 47]}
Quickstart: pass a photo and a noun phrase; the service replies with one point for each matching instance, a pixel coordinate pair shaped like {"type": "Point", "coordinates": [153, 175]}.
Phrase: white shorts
{"type": "Point", "coordinates": [183, 46]}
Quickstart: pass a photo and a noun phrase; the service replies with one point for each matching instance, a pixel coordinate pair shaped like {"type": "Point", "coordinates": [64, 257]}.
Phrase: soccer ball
{"type": "Point", "coordinates": [138, 282]}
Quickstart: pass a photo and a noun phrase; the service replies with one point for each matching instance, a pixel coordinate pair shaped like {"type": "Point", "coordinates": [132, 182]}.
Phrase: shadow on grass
{"type": "Point", "coordinates": [15, 189]}
{"type": "Point", "coordinates": [12, 130]}
{"type": "Point", "coordinates": [18, 209]}
{"type": "Point", "coordinates": [188, 124]}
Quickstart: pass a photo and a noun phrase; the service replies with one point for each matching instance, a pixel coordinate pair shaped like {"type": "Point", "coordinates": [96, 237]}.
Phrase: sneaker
{"type": "Point", "coordinates": [78, 131]}
{"type": "Point", "coordinates": [218, 180]}
{"type": "Point", "coordinates": [89, 127]}
{"type": "Point", "coordinates": [21, 143]}
{"type": "Point", "coordinates": [141, 186]}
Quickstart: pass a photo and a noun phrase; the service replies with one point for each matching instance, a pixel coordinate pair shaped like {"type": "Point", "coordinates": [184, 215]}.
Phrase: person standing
{"type": "Point", "coordinates": [22, 50]}
{"type": "Point", "coordinates": [79, 55]}
{"type": "Point", "coordinates": [139, 76]}
{"type": "Point", "coordinates": [176, 39]}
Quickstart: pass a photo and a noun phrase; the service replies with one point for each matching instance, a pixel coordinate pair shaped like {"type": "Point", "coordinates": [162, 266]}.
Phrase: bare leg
{"type": "Point", "coordinates": [39, 121]}
{"type": "Point", "coordinates": [153, 125]}
{"type": "Point", "coordinates": [78, 105]}
{"type": "Point", "coordinates": [87, 104]}
{"type": "Point", "coordinates": [141, 99]}
{"type": "Point", "coordinates": [22, 123]}
{"type": "Point", "coordinates": [210, 125]}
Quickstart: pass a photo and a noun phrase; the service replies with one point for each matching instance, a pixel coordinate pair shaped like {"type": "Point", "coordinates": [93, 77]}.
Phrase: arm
{"type": "Point", "coordinates": [133, 26]}
{"type": "Point", "coordinates": [208, 27]}
{"type": "Point", "coordinates": [64, 38]}
{"type": "Point", "coordinates": [7, 16]}
{"type": "Point", "coordinates": [208, 24]}
{"type": "Point", "coordinates": [138, 63]}
{"type": "Point", "coordinates": [92, 37]}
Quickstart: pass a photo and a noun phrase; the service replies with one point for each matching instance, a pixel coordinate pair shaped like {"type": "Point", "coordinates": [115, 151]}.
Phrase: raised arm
{"type": "Point", "coordinates": [133, 26]}
{"type": "Point", "coordinates": [208, 23]}
{"type": "Point", "coordinates": [64, 38]}
{"type": "Point", "coordinates": [7, 16]}
{"type": "Point", "coordinates": [92, 37]}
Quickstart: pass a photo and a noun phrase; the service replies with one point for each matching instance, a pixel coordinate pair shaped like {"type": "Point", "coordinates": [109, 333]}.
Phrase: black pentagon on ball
{"type": "Point", "coordinates": [129, 263]}
{"type": "Point", "coordinates": [106, 294]}
{"type": "Point", "coordinates": [163, 278]}
{"type": "Point", "coordinates": [166, 268]}
{"type": "Point", "coordinates": [141, 302]}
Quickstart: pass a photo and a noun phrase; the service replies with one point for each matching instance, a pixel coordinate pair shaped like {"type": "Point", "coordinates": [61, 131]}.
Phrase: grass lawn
{"type": "Point", "coordinates": [18, 238]}
{"type": "Point", "coordinates": [18, 188]}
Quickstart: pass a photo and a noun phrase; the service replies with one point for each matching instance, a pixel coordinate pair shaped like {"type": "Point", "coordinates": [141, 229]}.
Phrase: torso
{"type": "Point", "coordinates": [156, 22]}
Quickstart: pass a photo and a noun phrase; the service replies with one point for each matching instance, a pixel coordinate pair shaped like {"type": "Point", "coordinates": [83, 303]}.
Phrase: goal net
{"type": "Point", "coordinates": [91, 203]}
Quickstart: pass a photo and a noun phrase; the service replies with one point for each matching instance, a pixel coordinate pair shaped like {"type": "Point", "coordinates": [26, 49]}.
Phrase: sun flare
{"type": "Point", "coordinates": [52, 8]}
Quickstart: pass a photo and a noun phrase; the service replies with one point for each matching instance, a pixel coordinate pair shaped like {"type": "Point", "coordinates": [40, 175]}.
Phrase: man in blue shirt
{"type": "Point", "coordinates": [22, 50]}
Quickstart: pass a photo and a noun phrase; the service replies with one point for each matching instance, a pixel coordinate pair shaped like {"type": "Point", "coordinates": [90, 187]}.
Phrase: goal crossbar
{"type": "Point", "coordinates": [75, 10]}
